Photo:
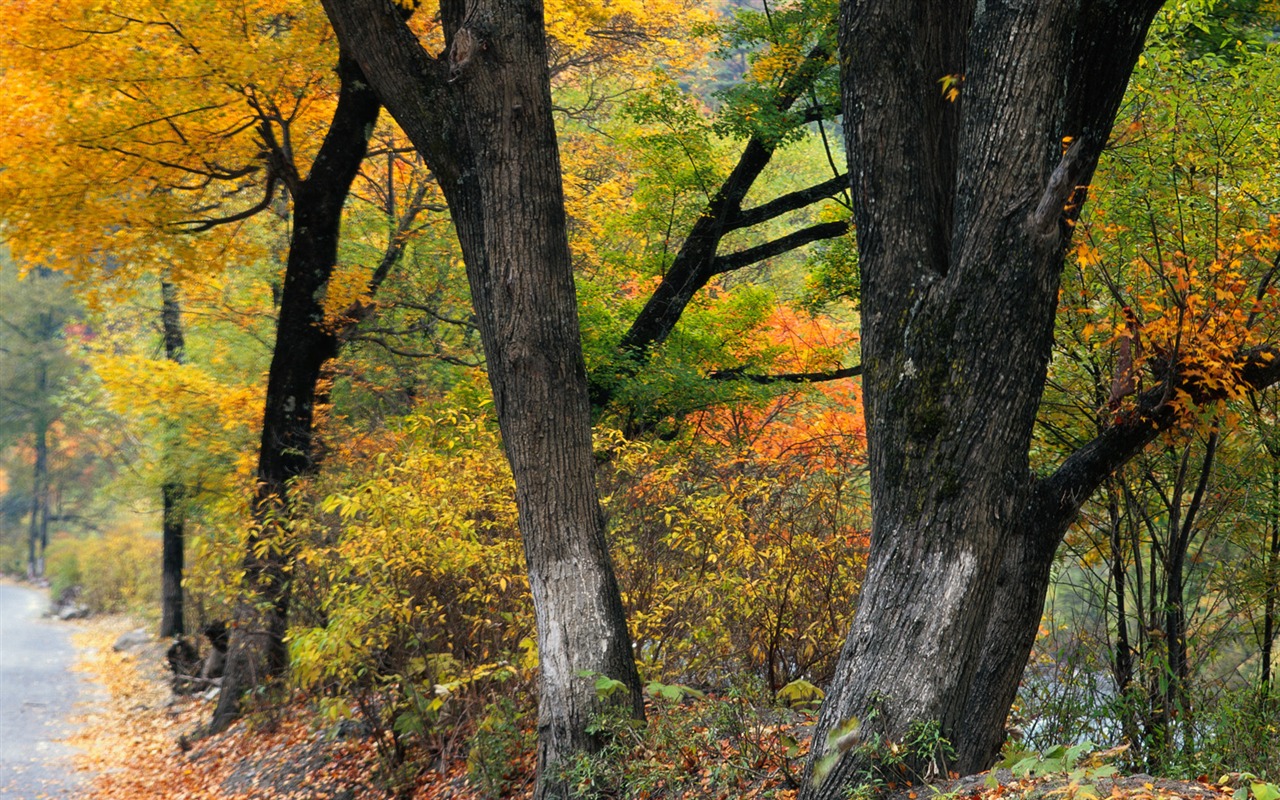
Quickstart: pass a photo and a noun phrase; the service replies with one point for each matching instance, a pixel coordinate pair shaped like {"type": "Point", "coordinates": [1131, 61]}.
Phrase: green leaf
{"type": "Point", "coordinates": [1265, 791]}
{"type": "Point", "coordinates": [800, 692]}
{"type": "Point", "coordinates": [1073, 754]}
{"type": "Point", "coordinates": [1024, 767]}
{"type": "Point", "coordinates": [790, 746]}
{"type": "Point", "coordinates": [673, 691]}
{"type": "Point", "coordinates": [824, 766]}
{"type": "Point", "coordinates": [606, 686]}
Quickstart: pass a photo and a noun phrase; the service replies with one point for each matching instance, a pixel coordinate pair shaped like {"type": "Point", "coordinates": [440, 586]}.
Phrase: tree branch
{"type": "Point", "coordinates": [739, 374]}
{"type": "Point", "coordinates": [1056, 500]}
{"type": "Point", "coordinates": [201, 225]}
{"type": "Point", "coordinates": [412, 84]}
{"type": "Point", "coordinates": [694, 264]}
{"type": "Point", "coordinates": [752, 255]}
{"type": "Point", "coordinates": [789, 202]}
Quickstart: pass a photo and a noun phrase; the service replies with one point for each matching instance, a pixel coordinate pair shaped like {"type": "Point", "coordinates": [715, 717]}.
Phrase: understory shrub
{"type": "Point", "coordinates": [116, 572]}
{"type": "Point", "coordinates": [412, 610]}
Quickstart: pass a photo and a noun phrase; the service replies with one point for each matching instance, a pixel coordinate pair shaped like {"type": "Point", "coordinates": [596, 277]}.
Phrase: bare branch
{"type": "Point", "coordinates": [784, 244]}
{"type": "Point", "coordinates": [198, 226]}
{"type": "Point", "coordinates": [739, 374]}
{"type": "Point", "coordinates": [789, 202]}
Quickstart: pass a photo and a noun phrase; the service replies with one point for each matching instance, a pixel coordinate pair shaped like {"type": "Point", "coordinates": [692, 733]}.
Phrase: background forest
{"type": "Point", "coordinates": [166, 180]}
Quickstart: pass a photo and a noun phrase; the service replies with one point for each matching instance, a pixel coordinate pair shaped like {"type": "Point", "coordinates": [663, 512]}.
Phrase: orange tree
{"type": "Point", "coordinates": [243, 117]}
{"type": "Point", "coordinates": [229, 112]}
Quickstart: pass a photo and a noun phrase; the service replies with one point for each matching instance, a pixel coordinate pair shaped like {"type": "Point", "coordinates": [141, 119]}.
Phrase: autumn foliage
{"type": "Point", "coordinates": [150, 140]}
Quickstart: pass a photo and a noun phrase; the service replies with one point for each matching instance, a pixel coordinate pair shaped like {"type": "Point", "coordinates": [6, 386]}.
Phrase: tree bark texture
{"type": "Point", "coordinates": [962, 211]}
{"type": "Point", "coordinates": [172, 521]}
{"type": "Point", "coordinates": [303, 344]}
{"type": "Point", "coordinates": [480, 115]}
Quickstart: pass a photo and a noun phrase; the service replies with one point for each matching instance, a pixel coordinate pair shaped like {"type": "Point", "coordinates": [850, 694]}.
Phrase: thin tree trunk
{"type": "Point", "coordinates": [1271, 591]}
{"type": "Point", "coordinates": [171, 561]}
{"type": "Point", "coordinates": [1178, 699]}
{"type": "Point", "coordinates": [1122, 657]}
{"type": "Point", "coordinates": [173, 523]}
{"type": "Point", "coordinates": [256, 650]}
{"type": "Point", "coordinates": [38, 531]}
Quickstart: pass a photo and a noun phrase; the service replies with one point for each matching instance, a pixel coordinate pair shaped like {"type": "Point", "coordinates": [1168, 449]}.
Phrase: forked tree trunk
{"type": "Point", "coordinates": [480, 115]}
{"type": "Point", "coordinates": [303, 344]}
{"type": "Point", "coordinates": [172, 520]}
{"type": "Point", "coordinates": [961, 210]}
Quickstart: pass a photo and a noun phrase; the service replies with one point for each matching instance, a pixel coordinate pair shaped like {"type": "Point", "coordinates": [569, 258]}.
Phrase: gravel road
{"type": "Point", "coordinates": [38, 697]}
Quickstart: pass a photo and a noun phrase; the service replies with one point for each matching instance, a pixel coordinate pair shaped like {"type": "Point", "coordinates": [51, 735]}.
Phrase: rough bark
{"type": "Point", "coordinates": [480, 115]}
{"type": "Point", "coordinates": [961, 210]}
{"type": "Point", "coordinates": [303, 344]}
{"type": "Point", "coordinates": [172, 521]}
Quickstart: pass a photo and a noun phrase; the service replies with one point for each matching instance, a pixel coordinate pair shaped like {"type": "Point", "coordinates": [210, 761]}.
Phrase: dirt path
{"type": "Point", "coordinates": [38, 697]}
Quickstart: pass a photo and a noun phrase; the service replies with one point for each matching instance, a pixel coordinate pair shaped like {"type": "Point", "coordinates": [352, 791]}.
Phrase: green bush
{"type": "Point", "coordinates": [1240, 732]}
{"type": "Point", "coordinates": [501, 741]}
{"type": "Point", "coordinates": [693, 745]}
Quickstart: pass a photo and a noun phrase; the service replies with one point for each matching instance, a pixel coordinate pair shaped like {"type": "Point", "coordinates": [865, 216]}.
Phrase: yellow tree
{"type": "Point", "coordinates": [166, 120]}
{"type": "Point", "coordinates": [155, 120]}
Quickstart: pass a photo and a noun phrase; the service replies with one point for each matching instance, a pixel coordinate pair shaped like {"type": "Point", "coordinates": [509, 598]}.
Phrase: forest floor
{"type": "Point", "coordinates": [140, 745]}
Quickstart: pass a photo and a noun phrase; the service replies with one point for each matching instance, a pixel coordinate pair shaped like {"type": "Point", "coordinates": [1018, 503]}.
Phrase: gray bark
{"type": "Point", "coordinates": [480, 115]}
{"type": "Point", "coordinates": [962, 212]}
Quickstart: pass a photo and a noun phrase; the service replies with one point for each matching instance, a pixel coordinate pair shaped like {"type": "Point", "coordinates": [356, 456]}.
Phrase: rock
{"type": "Point", "coordinates": [72, 611]}
{"type": "Point", "coordinates": [133, 640]}
{"type": "Point", "coordinates": [67, 605]}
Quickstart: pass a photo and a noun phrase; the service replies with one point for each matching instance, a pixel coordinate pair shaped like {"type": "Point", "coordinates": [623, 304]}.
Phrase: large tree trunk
{"type": "Point", "coordinates": [172, 521]}
{"type": "Point", "coordinates": [961, 210]}
{"type": "Point", "coordinates": [303, 344]}
{"type": "Point", "coordinates": [481, 118]}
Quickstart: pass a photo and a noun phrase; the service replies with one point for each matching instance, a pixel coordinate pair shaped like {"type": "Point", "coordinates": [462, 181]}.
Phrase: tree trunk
{"type": "Point", "coordinates": [481, 118]}
{"type": "Point", "coordinates": [1177, 701]}
{"type": "Point", "coordinates": [962, 212]}
{"type": "Point", "coordinates": [38, 531]}
{"type": "Point", "coordinates": [171, 561]}
{"type": "Point", "coordinates": [172, 537]}
{"type": "Point", "coordinates": [303, 344]}
{"type": "Point", "coordinates": [1271, 569]}
{"type": "Point", "coordinates": [1122, 655]}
